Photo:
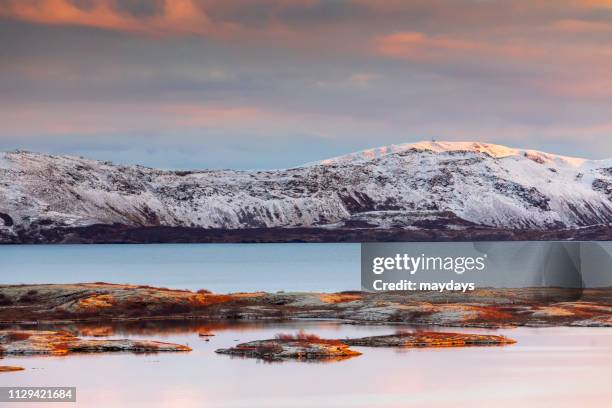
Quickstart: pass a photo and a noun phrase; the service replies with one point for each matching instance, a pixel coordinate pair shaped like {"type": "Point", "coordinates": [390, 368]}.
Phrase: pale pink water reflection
{"type": "Point", "coordinates": [561, 367]}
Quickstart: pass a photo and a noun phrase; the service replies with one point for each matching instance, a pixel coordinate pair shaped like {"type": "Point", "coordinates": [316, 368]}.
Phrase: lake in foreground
{"type": "Point", "coordinates": [560, 367]}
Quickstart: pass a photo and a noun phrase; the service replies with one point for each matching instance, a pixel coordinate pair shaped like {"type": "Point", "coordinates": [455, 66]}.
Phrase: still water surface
{"type": "Point", "coordinates": [221, 268]}
{"type": "Point", "coordinates": [548, 367]}
{"type": "Point", "coordinates": [560, 367]}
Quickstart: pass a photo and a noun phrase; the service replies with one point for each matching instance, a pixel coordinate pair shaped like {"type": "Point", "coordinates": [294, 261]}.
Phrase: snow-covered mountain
{"type": "Point", "coordinates": [429, 185]}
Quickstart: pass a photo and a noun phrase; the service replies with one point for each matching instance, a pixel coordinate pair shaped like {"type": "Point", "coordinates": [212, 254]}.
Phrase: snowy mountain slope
{"type": "Point", "coordinates": [431, 185]}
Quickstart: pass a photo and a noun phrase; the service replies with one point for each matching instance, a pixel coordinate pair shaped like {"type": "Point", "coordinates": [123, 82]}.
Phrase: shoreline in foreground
{"type": "Point", "coordinates": [483, 307]}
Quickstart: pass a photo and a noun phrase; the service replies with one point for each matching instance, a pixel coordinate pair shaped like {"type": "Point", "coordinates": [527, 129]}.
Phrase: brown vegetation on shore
{"type": "Point", "coordinates": [302, 337]}
{"type": "Point", "coordinates": [480, 308]}
{"type": "Point", "coordinates": [340, 297]}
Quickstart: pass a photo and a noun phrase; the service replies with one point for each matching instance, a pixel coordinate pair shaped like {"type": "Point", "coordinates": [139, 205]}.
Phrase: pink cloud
{"type": "Point", "coordinates": [177, 17]}
{"type": "Point", "coordinates": [57, 119]}
{"type": "Point", "coordinates": [577, 67]}
{"type": "Point", "coordinates": [419, 46]}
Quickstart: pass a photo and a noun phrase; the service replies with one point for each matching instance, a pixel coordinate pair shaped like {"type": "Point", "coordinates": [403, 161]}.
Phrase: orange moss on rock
{"type": "Point", "coordinates": [339, 297]}
{"type": "Point", "coordinates": [103, 331]}
{"type": "Point", "coordinates": [205, 299]}
{"type": "Point", "coordinates": [247, 295]}
{"type": "Point", "coordinates": [96, 302]}
{"type": "Point", "coordinates": [492, 313]}
{"type": "Point", "coordinates": [303, 337]}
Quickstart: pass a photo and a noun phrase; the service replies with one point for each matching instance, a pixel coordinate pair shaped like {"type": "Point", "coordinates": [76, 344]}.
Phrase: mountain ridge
{"type": "Point", "coordinates": [446, 187]}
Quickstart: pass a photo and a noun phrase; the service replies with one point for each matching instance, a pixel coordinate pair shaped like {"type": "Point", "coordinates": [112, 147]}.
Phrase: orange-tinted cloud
{"type": "Point", "coordinates": [63, 12]}
{"type": "Point", "coordinates": [418, 46]}
{"type": "Point", "coordinates": [573, 26]}
{"type": "Point", "coordinates": [177, 16]}
{"type": "Point", "coordinates": [415, 45]}
{"type": "Point", "coordinates": [593, 3]}
{"type": "Point", "coordinates": [576, 66]}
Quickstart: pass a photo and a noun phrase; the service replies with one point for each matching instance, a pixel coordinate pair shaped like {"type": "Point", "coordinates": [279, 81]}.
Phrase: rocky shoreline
{"type": "Point", "coordinates": [482, 307]}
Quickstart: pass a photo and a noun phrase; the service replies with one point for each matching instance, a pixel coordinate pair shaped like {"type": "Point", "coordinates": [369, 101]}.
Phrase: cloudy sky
{"type": "Point", "coordinates": [271, 83]}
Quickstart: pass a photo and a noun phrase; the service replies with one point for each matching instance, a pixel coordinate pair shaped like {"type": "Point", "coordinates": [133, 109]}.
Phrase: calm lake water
{"type": "Point", "coordinates": [218, 267]}
{"type": "Point", "coordinates": [548, 367]}
{"type": "Point", "coordinates": [560, 367]}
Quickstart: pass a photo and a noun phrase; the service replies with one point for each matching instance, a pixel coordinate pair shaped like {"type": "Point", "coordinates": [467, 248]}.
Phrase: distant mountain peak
{"type": "Point", "coordinates": [491, 149]}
